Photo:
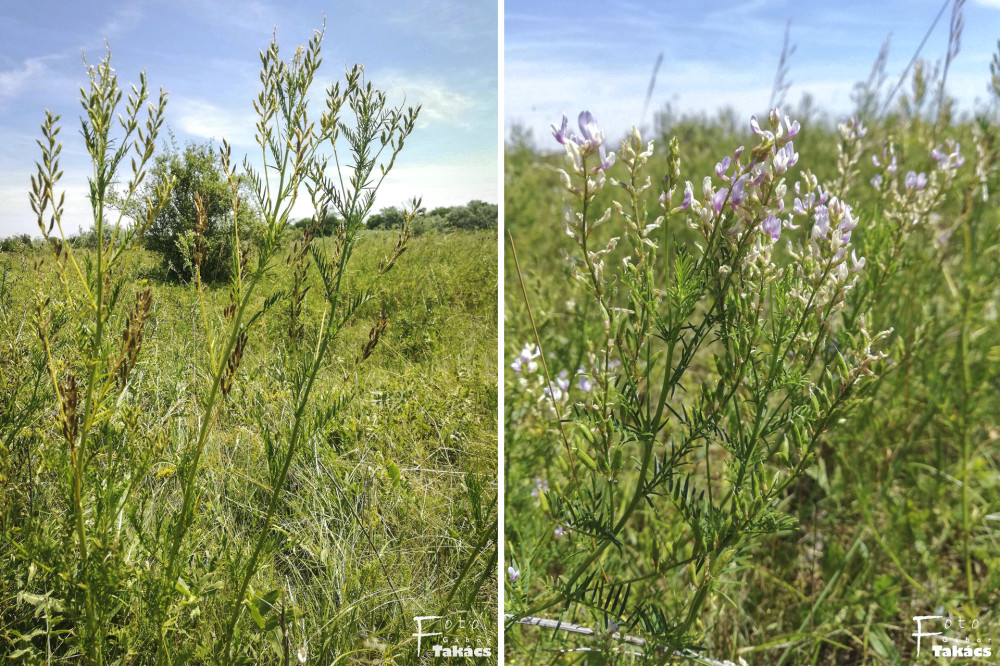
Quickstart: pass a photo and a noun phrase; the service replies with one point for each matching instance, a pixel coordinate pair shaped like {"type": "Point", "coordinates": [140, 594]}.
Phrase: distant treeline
{"type": "Point", "coordinates": [473, 215]}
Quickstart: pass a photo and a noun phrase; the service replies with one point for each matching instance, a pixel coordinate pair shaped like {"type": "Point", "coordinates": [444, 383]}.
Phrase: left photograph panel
{"type": "Point", "coordinates": [248, 332]}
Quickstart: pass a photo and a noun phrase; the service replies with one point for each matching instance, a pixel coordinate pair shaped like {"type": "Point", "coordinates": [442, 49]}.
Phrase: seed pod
{"type": "Point", "coordinates": [70, 398]}
{"type": "Point", "coordinates": [226, 383]}
{"type": "Point", "coordinates": [586, 459]}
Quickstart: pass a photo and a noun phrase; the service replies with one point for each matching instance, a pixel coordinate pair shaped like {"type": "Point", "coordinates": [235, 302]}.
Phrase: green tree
{"type": "Point", "coordinates": [474, 215]}
{"type": "Point", "coordinates": [175, 233]}
{"type": "Point", "coordinates": [387, 218]}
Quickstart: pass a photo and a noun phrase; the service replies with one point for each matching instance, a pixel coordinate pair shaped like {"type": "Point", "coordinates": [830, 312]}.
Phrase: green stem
{"type": "Point", "coordinates": [272, 505]}
{"type": "Point", "coordinates": [637, 496]}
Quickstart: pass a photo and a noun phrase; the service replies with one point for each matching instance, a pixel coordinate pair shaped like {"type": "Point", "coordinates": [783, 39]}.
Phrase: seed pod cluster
{"type": "Point", "coordinates": [132, 335]}
{"type": "Point", "coordinates": [233, 364]}
{"type": "Point", "coordinates": [373, 336]}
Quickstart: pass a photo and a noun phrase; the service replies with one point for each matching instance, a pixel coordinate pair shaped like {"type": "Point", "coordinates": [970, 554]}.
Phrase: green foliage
{"type": "Point", "coordinates": [175, 233]}
{"type": "Point", "coordinates": [892, 515]}
{"type": "Point", "coordinates": [474, 215]}
{"type": "Point", "coordinates": [259, 472]}
{"type": "Point", "coordinates": [18, 243]}
{"type": "Point", "coordinates": [327, 227]}
{"type": "Point", "coordinates": [387, 218]}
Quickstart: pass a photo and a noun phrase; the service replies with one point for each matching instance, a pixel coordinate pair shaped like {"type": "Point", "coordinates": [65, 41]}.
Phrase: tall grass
{"type": "Point", "coordinates": [265, 472]}
{"type": "Point", "coordinates": [890, 505]}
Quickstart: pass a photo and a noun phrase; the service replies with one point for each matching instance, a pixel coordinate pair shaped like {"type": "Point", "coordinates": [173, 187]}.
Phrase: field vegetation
{"type": "Point", "coordinates": [755, 417]}
{"type": "Point", "coordinates": [284, 459]}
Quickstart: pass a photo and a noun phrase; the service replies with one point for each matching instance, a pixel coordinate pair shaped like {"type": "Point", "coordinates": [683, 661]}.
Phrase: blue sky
{"type": "Point", "coordinates": [439, 53]}
{"type": "Point", "coordinates": [562, 57]}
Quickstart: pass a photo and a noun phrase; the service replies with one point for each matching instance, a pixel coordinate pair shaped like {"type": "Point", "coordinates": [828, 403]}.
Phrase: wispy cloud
{"type": "Point", "coordinates": [209, 121]}
{"type": "Point", "coordinates": [994, 4]}
{"type": "Point", "coordinates": [12, 81]}
{"type": "Point", "coordinates": [123, 20]}
{"type": "Point", "coordinates": [441, 184]}
{"type": "Point", "coordinates": [243, 14]}
{"type": "Point", "coordinates": [459, 21]}
{"type": "Point", "coordinates": [440, 104]}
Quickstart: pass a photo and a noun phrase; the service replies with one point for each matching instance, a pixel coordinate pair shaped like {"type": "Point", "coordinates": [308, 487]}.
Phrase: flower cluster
{"type": "Point", "coordinates": [912, 200]}
{"type": "Point", "coordinates": [531, 378]}
{"type": "Point", "coordinates": [951, 160]}
{"type": "Point", "coordinates": [579, 148]}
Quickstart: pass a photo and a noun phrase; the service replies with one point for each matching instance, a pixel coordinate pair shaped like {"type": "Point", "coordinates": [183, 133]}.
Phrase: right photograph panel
{"type": "Point", "coordinates": [751, 341]}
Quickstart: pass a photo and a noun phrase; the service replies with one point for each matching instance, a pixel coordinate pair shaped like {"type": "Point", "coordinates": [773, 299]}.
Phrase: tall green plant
{"type": "Point", "coordinates": [91, 333]}
{"type": "Point", "coordinates": [717, 367]}
{"type": "Point", "coordinates": [88, 378]}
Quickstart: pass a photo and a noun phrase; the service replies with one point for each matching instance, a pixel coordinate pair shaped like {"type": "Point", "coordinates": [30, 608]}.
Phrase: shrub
{"type": "Point", "coordinates": [175, 234]}
{"type": "Point", "coordinates": [474, 215]}
{"type": "Point", "coordinates": [18, 243]}
{"type": "Point", "coordinates": [387, 218]}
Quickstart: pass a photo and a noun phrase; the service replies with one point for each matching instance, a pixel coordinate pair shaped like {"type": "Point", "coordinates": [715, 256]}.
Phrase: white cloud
{"type": "Point", "coordinates": [994, 4]}
{"type": "Point", "coordinates": [18, 218]}
{"type": "Point", "coordinates": [124, 19]}
{"type": "Point", "coordinates": [12, 81]}
{"type": "Point", "coordinates": [208, 121]}
{"type": "Point", "coordinates": [439, 103]}
{"type": "Point", "coordinates": [449, 184]}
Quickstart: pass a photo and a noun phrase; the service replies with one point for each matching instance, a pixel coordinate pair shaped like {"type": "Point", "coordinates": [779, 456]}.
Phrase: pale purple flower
{"type": "Point", "coordinates": [723, 166]}
{"type": "Point", "coordinates": [513, 574]}
{"type": "Point", "coordinates": [916, 181]}
{"type": "Point", "coordinates": [785, 157]}
{"type": "Point", "coordinates": [718, 199]}
{"type": "Point", "coordinates": [559, 531]}
{"type": "Point", "coordinates": [877, 181]}
{"type": "Point", "coordinates": [688, 196]}
{"type": "Point", "coordinates": [852, 129]}
{"type": "Point", "coordinates": [526, 359]}
{"type": "Point", "coordinates": [584, 383]}
{"type": "Point", "coordinates": [821, 228]}
{"type": "Point", "coordinates": [772, 227]}
{"type": "Point", "coordinates": [591, 138]}
{"type": "Point", "coordinates": [848, 223]}
{"type": "Point", "coordinates": [594, 137]}
{"type": "Point", "coordinates": [588, 127]}
{"type": "Point", "coordinates": [948, 161]}
{"type": "Point", "coordinates": [562, 381]}
{"type": "Point", "coordinates": [561, 135]}
{"type": "Point", "coordinates": [793, 128]}
{"type": "Point", "coordinates": [739, 191]}
{"type": "Point", "coordinates": [856, 264]}
{"type": "Point", "coordinates": [606, 161]}
{"type": "Point", "coordinates": [553, 392]}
